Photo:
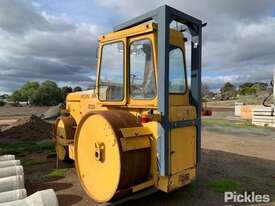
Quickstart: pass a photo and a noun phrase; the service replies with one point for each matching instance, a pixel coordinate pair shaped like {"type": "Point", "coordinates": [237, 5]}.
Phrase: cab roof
{"type": "Point", "coordinates": [137, 30]}
{"type": "Point", "coordinates": [133, 31]}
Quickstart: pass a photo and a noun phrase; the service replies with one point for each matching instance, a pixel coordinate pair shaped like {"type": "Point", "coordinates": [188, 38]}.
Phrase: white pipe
{"type": "Point", "coordinates": [41, 198]}
{"type": "Point", "coordinates": [11, 171]}
{"type": "Point", "coordinates": [13, 195]}
{"type": "Point", "coordinates": [9, 163]}
{"type": "Point", "coordinates": [11, 183]}
{"type": "Point", "coordinates": [7, 157]}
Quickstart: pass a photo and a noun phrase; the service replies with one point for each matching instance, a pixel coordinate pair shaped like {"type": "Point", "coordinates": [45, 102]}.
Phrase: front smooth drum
{"type": "Point", "coordinates": [103, 168]}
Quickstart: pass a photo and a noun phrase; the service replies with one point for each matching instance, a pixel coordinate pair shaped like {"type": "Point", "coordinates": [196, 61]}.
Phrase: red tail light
{"type": "Point", "coordinates": [145, 118]}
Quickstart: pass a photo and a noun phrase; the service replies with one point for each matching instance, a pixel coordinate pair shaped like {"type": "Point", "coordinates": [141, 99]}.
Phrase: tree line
{"type": "Point", "coordinates": [48, 93]}
{"type": "Point", "coordinates": [45, 94]}
{"type": "Point", "coordinates": [229, 90]}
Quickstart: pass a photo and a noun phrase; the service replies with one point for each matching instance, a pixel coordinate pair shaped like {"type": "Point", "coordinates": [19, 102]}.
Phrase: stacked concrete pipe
{"type": "Point", "coordinates": [12, 189]}
{"type": "Point", "coordinates": [9, 163]}
{"type": "Point", "coordinates": [7, 157]}
{"type": "Point", "coordinates": [41, 198]}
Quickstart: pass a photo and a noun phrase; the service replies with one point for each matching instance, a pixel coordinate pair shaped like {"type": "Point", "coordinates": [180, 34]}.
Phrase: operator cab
{"type": "Point", "coordinates": [127, 67]}
{"type": "Point", "coordinates": [128, 77]}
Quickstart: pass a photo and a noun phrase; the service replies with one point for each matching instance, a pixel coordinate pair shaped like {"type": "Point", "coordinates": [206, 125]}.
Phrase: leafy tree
{"type": "Point", "coordinates": [65, 91]}
{"type": "Point", "coordinates": [28, 90]}
{"type": "Point", "coordinates": [228, 87]}
{"type": "Point", "coordinates": [228, 91]}
{"type": "Point", "coordinates": [205, 90]}
{"type": "Point", "coordinates": [246, 84]}
{"type": "Point", "coordinates": [249, 88]}
{"type": "Point", "coordinates": [77, 89]}
{"type": "Point", "coordinates": [16, 96]}
{"type": "Point", "coordinates": [48, 94]}
{"type": "Point", "coordinates": [245, 89]}
{"type": "Point", "coordinates": [258, 87]}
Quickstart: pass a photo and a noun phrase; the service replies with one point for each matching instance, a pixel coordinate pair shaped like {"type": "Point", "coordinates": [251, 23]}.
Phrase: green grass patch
{"type": "Point", "coordinates": [58, 172]}
{"type": "Point", "coordinates": [23, 148]}
{"type": "Point", "coordinates": [227, 123]}
{"type": "Point", "coordinates": [191, 188]}
{"type": "Point", "coordinates": [33, 162]}
{"type": "Point", "coordinates": [224, 185]}
{"type": "Point", "coordinates": [272, 184]}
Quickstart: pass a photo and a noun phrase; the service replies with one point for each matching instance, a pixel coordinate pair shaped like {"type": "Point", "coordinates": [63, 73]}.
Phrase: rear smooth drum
{"type": "Point", "coordinates": [103, 168]}
{"type": "Point", "coordinates": [64, 129]}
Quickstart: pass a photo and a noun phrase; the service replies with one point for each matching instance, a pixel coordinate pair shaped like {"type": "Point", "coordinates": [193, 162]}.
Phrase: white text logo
{"type": "Point", "coordinates": [246, 197]}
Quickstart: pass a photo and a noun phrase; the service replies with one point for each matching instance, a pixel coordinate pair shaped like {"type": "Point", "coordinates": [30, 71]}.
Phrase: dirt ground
{"type": "Point", "coordinates": [247, 160]}
{"type": "Point", "coordinates": [227, 154]}
{"type": "Point", "coordinates": [249, 145]}
{"type": "Point", "coordinates": [13, 113]}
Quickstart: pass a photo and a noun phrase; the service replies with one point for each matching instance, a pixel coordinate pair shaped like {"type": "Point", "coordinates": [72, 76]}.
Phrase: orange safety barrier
{"type": "Point", "coordinates": [246, 111]}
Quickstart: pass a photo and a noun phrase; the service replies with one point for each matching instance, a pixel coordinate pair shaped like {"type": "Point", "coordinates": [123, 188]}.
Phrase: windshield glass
{"type": "Point", "coordinates": [111, 72]}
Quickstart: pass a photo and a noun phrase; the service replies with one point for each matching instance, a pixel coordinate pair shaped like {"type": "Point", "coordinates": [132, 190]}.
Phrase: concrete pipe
{"type": "Point", "coordinates": [7, 157]}
{"type": "Point", "coordinates": [11, 171]}
{"type": "Point", "coordinates": [11, 183]}
{"type": "Point", "coordinates": [13, 195]}
{"type": "Point", "coordinates": [41, 198]}
{"type": "Point", "coordinates": [9, 163]}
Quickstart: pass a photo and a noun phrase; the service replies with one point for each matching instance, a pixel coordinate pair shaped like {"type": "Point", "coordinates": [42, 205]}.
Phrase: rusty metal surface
{"type": "Point", "coordinates": [135, 165]}
{"type": "Point", "coordinates": [69, 124]}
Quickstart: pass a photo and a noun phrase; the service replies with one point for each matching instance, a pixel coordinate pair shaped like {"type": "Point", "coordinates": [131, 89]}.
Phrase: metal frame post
{"type": "Point", "coordinates": [163, 20]}
{"type": "Point", "coordinates": [196, 86]}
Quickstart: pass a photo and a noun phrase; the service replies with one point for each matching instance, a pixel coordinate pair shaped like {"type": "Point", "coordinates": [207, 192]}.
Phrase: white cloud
{"type": "Point", "coordinates": [129, 8]}
{"type": "Point", "coordinates": [238, 42]}
{"type": "Point", "coordinates": [60, 51]}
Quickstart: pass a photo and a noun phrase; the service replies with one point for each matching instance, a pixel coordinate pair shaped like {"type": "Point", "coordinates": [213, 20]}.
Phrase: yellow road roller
{"type": "Point", "coordinates": [140, 127]}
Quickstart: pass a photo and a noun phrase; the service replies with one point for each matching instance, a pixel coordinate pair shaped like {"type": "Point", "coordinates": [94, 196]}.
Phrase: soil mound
{"type": "Point", "coordinates": [28, 128]}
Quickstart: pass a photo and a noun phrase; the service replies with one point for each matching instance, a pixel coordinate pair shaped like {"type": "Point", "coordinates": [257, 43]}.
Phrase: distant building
{"type": "Point", "coordinates": [4, 97]}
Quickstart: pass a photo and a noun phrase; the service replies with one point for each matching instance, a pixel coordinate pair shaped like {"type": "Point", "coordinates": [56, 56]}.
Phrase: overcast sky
{"type": "Point", "coordinates": [56, 40]}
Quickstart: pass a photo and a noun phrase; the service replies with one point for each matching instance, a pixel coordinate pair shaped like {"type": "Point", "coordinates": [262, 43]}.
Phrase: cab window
{"type": "Point", "coordinates": [177, 77]}
{"type": "Point", "coordinates": [142, 76]}
{"type": "Point", "coordinates": [111, 72]}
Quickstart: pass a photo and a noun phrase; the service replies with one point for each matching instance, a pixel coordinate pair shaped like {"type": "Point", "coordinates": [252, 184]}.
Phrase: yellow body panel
{"type": "Point", "coordinates": [179, 100]}
{"type": "Point", "coordinates": [183, 148]}
{"type": "Point", "coordinates": [61, 130]}
{"type": "Point", "coordinates": [135, 132]}
{"type": "Point", "coordinates": [178, 113]}
{"type": "Point", "coordinates": [143, 185]}
{"type": "Point", "coordinates": [71, 151]}
{"type": "Point", "coordinates": [135, 143]}
{"type": "Point", "coordinates": [168, 184]}
{"type": "Point", "coordinates": [80, 103]}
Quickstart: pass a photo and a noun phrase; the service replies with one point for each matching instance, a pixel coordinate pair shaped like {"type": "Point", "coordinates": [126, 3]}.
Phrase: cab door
{"type": "Point", "coordinates": [142, 72]}
{"type": "Point", "coordinates": [182, 139]}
